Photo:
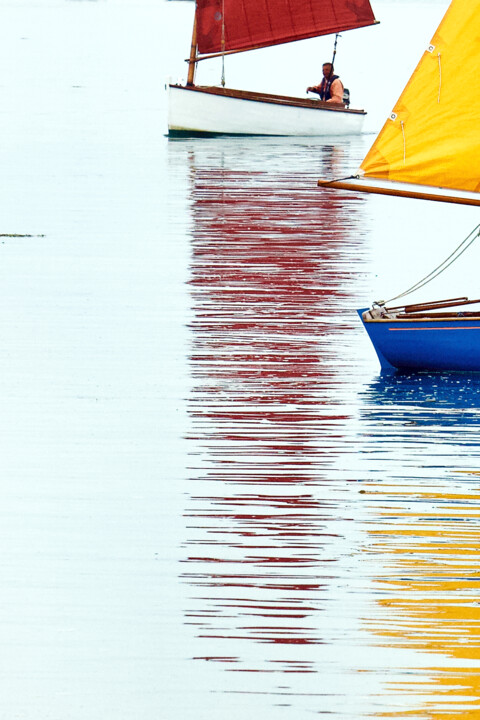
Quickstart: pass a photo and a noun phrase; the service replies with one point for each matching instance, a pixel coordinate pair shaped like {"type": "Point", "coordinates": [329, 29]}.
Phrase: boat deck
{"type": "Point", "coordinates": [437, 310]}
{"type": "Point", "coordinates": [269, 98]}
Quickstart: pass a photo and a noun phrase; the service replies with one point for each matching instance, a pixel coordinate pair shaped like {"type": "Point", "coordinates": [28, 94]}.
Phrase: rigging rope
{"type": "Point", "coordinates": [223, 44]}
{"type": "Point", "coordinates": [326, 183]}
{"type": "Point", "coordinates": [464, 245]}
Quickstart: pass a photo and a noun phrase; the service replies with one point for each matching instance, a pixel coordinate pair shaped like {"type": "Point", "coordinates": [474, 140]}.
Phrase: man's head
{"type": "Point", "coordinates": [327, 69]}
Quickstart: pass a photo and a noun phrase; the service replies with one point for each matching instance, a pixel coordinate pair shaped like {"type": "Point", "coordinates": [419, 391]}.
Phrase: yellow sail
{"type": "Point", "coordinates": [433, 134]}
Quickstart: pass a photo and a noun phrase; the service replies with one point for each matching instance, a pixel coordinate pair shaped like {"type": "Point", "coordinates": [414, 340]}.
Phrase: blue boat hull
{"type": "Point", "coordinates": [426, 344]}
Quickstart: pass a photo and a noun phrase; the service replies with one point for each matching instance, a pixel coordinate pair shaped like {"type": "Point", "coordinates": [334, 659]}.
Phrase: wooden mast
{"type": "Point", "coordinates": [192, 62]}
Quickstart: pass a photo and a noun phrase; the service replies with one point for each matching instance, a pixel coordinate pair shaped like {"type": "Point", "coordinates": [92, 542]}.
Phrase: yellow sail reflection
{"type": "Point", "coordinates": [432, 137]}
{"type": "Point", "coordinates": [431, 602]}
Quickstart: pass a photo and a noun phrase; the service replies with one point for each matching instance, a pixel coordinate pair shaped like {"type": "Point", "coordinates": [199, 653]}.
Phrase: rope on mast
{"type": "Point", "coordinates": [223, 44]}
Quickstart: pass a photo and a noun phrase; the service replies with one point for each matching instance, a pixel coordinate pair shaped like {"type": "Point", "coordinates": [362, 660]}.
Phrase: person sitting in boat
{"type": "Point", "coordinates": [331, 87]}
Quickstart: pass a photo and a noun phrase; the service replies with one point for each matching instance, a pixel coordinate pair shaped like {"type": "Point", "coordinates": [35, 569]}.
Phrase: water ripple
{"type": "Point", "coordinates": [331, 522]}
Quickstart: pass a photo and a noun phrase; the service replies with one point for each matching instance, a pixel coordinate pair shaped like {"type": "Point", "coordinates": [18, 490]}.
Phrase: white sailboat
{"type": "Point", "coordinates": [223, 27]}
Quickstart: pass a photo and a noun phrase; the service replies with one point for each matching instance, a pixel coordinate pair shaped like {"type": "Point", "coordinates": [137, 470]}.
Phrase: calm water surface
{"type": "Point", "coordinates": [213, 504]}
{"type": "Point", "coordinates": [331, 518]}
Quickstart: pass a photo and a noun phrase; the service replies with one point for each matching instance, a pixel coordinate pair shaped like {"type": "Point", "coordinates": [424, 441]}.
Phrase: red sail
{"type": "Point", "coordinates": [249, 24]}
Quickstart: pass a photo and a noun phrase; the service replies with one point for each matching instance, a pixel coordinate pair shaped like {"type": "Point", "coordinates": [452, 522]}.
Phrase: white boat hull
{"type": "Point", "coordinates": [220, 111]}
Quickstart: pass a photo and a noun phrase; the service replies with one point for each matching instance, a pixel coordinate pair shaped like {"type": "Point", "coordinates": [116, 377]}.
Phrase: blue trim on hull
{"type": "Point", "coordinates": [436, 345]}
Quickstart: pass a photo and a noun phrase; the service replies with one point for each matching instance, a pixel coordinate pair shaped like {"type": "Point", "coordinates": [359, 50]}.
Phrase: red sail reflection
{"type": "Point", "coordinates": [270, 283]}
